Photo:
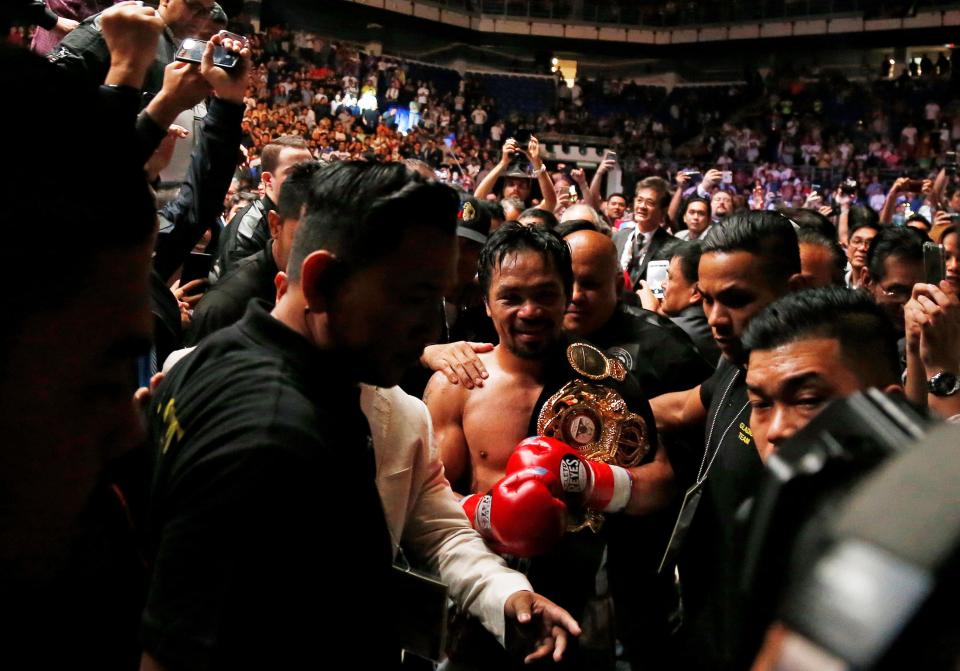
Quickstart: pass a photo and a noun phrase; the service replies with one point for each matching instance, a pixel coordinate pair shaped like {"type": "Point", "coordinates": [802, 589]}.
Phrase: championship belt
{"type": "Point", "coordinates": [594, 420]}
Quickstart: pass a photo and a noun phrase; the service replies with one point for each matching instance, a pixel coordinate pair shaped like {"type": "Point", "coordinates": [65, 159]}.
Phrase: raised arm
{"type": "Point", "coordinates": [549, 202]}
{"type": "Point", "coordinates": [485, 187]}
{"type": "Point", "coordinates": [673, 211]}
{"type": "Point", "coordinates": [886, 212]}
{"type": "Point", "coordinates": [606, 165]}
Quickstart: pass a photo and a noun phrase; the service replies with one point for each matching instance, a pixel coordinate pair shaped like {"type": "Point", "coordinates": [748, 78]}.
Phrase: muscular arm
{"type": "Point", "coordinates": [445, 403]}
{"type": "Point", "coordinates": [678, 410]}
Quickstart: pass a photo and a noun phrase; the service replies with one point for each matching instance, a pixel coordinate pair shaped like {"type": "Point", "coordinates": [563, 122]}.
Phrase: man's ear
{"type": "Point", "coordinates": [696, 298]}
{"type": "Point", "coordinates": [866, 279]}
{"type": "Point", "coordinates": [275, 223]}
{"type": "Point", "coordinates": [798, 282]}
{"type": "Point", "coordinates": [317, 275]}
{"type": "Point", "coordinates": [281, 282]}
{"type": "Point", "coordinates": [267, 179]}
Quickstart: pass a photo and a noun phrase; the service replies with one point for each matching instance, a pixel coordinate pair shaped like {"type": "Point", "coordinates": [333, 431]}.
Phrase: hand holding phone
{"type": "Point", "coordinates": [191, 51]}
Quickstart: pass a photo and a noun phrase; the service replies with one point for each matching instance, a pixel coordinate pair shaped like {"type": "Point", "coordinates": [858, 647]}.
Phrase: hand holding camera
{"type": "Point", "coordinates": [228, 84]}
{"type": "Point", "coordinates": [712, 178]}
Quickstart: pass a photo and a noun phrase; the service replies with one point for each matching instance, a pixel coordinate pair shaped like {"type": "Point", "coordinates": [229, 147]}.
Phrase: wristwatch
{"type": "Point", "coordinates": [943, 384]}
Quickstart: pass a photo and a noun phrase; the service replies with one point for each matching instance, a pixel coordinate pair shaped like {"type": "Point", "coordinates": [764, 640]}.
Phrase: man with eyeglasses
{"type": "Point", "coordinates": [860, 236]}
{"type": "Point", "coordinates": [85, 51]}
{"type": "Point", "coordinates": [894, 264]}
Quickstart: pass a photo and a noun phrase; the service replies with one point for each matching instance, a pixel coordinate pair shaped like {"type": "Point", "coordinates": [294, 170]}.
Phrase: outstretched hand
{"type": "Point", "coordinates": [551, 624]}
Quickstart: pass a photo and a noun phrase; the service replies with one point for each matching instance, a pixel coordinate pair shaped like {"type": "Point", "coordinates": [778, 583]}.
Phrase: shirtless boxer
{"type": "Point", "coordinates": [526, 277]}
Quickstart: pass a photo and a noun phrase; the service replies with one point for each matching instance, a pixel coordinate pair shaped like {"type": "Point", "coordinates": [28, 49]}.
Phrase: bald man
{"type": "Point", "coordinates": [659, 354]}
{"type": "Point", "coordinates": [582, 212]}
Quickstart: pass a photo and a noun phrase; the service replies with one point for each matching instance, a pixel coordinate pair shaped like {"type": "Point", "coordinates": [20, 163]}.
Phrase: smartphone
{"type": "Point", "coordinates": [609, 155]}
{"type": "Point", "coordinates": [726, 177]}
{"type": "Point", "coordinates": [692, 174]}
{"type": "Point", "coordinates": [196, 267]}
{"type": "Point", "coordinates": [573, 193]}
{"type": "Point", "coordinates": [950, 163]}
{"type": "Point", "coordinates": [914, 185]}
{"type": "Point", "coordinates": [191, 51]}
{"type": "Point", "coordinates": [656, 276]}
{"type": "Point", "coordinates": [934, 264]}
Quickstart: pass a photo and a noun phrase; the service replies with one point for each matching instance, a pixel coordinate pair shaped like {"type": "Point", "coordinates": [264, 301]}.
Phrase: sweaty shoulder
{"type": "Point", "coordinates": [443, 396]}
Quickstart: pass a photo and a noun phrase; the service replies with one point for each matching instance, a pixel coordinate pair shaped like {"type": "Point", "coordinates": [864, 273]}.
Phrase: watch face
{"type": "Point", "coordinates": [944, 384]}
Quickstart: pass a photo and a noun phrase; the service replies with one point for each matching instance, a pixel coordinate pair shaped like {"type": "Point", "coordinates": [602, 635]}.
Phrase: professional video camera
{"type": "Point", "coordinates": [854, 538]}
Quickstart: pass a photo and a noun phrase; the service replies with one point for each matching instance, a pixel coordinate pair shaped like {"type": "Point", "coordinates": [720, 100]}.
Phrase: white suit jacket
{"type": "Point", "coordinates": [421, 512]}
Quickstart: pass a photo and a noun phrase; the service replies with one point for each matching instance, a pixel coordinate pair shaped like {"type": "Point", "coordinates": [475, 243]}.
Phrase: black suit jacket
{"type": "Point", "coordinates": [639, 271]}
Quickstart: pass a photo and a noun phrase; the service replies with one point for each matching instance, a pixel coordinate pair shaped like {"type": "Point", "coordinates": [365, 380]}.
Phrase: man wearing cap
{"type": "Point", "coordinates": [516, 180]}
{"type": "Point", "coordinates": [466, 328]}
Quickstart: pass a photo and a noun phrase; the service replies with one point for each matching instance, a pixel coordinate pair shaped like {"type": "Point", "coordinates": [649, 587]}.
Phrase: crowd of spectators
{"type": "Point", "coordinates": [787, 133]}
{"type": "Point", "coordinates": [213, 452]}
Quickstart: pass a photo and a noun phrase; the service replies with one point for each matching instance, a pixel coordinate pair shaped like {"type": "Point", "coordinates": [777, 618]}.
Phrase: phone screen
{"type": "Point", "coordinates": [934, 264]}
{"type": "Point", "coordinates": [656, 276]}
{"type": "Point", "coordinates": [191, 51]}
{"type": "Point", "coordinates": [196, 267]}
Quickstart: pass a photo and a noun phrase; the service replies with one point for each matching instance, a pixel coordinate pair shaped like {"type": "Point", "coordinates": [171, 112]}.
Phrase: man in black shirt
{"type": "Point", "coordinates": [659, 354]}
{"type": "Point", "coordinates": [746, 265]}
{"type": "Point", "coordinates": [261, 443]}
{"type": "Point", "coordinates": [249, 231]}
{"type": "Point", "coordinates": [255, 276]}
{"type": "Point", "coordinates": [85, 53]}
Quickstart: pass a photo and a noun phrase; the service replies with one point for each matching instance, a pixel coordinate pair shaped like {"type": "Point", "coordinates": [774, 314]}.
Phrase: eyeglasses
{"type": "Point", "coordinates": [197, 8]}
{"type": "Point", "coordinates": [860, 242]}
{"type": "Point", "coordinates": [896, 291]}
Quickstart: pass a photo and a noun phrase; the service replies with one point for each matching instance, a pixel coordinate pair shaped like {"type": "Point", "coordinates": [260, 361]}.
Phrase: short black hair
{"type": "Point", "coordinates": [861, 215]}
{"type": "Point", "coordinates": [689, 252]}
{"type": "Point", "coordinates": [846, 315]}
{"type": "Point", "coordinates": [660, 186]}
{"type": "Point", "coordinates": [360, 211]}
{"type": "Point", "coordinates": [916, 216]}
{"type": "Point", "coordinates": [811, 219]}
{"type": "Point", "coordinates": [899, 242]}
{"type": "Point", "coordinates": [545, 216]}
{"type": "Point", "coordinates": [495, 210]}
{"type": "Point", "coordinates": [768, 235]}
{"type": "Point", "coordinates": [696, 198]}
{"type": "Point", "coordinates": [811, 236]}
{"type": "Point", "coordinates": [296, 189]}
{"type": "Point", "coordinates": [513, 237]}
{"type": "Point", "coordinates": [853, 227]}
{"type": "Point", "coordinates": [618, 193]}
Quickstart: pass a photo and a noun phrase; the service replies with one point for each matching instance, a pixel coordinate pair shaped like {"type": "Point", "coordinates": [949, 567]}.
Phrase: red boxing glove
{"type": "Point", "coordinates": [597, 485]}
{"type": "Point", "coordinates": [519, 515]}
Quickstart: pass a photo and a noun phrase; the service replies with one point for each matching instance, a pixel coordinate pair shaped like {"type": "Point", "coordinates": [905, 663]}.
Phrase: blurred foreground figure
{"type": "Point", "coordinates": [76, 317]}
